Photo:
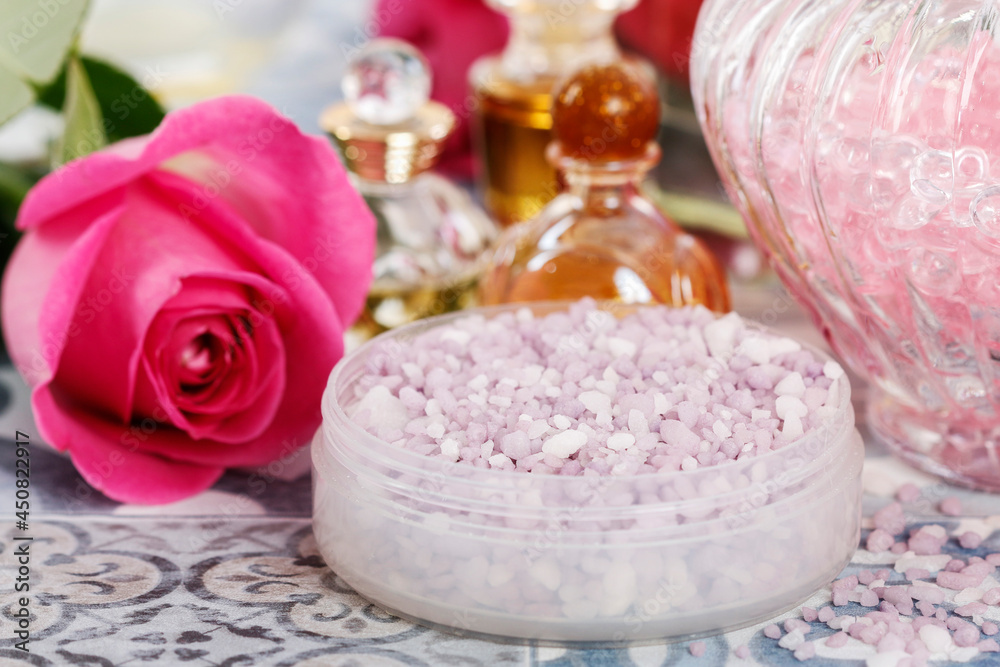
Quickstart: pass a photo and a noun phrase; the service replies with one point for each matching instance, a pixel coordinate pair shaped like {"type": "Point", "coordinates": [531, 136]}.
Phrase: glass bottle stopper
{"type": "Point", "coordinates": [388, 129]}
{"type": "Point", "coordinates": [606, 113]}
{"type": "Point", "coordinates": [387, 83]}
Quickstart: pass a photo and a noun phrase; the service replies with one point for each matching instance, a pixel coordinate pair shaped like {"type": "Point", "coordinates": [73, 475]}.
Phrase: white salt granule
{"type": "Point", "coordinates": [620, 441]}
{"type": "Point", "coordinates": [788, 405]}
{"type": "Point", "coordinates": [790, 385]}
{"type": "Point", "coordinates": [565, 444]}
{"type": "Point", "coordinates": [450, 449]}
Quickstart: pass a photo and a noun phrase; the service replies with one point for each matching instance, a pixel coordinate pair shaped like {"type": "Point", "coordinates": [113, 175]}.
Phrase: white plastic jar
{"type": "Point", "coordinates": [581, 559]}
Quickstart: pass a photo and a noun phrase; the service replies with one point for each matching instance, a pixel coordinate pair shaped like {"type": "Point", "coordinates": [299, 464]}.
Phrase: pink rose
{"type": "Point", "coordinates": [661, 30]}
{"type": "Point", "coordinates": [178, 300]}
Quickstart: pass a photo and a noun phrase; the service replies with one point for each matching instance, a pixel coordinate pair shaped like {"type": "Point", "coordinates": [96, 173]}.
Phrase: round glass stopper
{"type": "Point", "coordinates": [387, 82]}
{"type": "Point", "coordinates": [606, 113]}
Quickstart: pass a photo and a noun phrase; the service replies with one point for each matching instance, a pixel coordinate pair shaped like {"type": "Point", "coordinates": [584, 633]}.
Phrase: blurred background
{"type": "Point", "coordinates": [293, 53]}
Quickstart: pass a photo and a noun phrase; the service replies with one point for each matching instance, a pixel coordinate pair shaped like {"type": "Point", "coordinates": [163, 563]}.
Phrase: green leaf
{"type": "Point", "coordinates": [16, 95]}
{"type": "Point", "coordinates": [36, 35]}
{"type": "Point", "coordinates": [129, 110]}
{"type": "Point", "coordinates": [84, 122]}
{"type": "Point", "coordinates": [14, 183]}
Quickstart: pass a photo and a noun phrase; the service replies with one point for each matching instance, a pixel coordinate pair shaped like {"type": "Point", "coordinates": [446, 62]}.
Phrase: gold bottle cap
{"type": "Point", "coordinates": [388, 129]}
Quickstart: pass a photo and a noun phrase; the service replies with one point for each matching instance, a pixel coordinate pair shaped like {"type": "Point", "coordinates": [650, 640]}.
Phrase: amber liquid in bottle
{"type": "Point", "coordinates": [514, 125]}
{"type": "Point", "coordinates": [388, 307]}
{"type": "Point", "coordinates": [614, 255]}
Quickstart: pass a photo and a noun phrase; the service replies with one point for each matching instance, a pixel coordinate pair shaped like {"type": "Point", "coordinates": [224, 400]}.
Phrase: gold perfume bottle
{"type": "Point", "coordinates": [513, 125]}
{"type": "Point", "coordinates": [431, 235]}
{"type": "Point", "coordinates": [601, 237]}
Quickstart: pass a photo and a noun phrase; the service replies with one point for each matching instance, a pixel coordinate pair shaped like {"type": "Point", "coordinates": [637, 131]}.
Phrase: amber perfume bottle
{"type": "Point", "coordinates": [431, 235]}
{"type": "Point", "coordinates": [548, 40]}
{"type": "Point", "coordinates": [601, 237]}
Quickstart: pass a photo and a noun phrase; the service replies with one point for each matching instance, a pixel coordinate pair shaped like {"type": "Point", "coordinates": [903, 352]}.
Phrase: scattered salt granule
{"type": "Point", "coordinates": [805, 651]}
{"type": "Point", "coordinates": [909, 621]}
{"type": "Point", "coordinates": [879, 540]}
{"type": "Point", "coordinates": [837, 640]}
{"type": "Point", "coordinates": [970, 540]}
{"type": "Point", "coordinates": [988, 646]}
{"type": "Point", "coordinates": [928, 540]}
{"type": "Point", "coordinates": [742, 652]}
{"type": "Point", "coordinates": [890, 519]}
{"type": "Point", "coordinates": [951, 506]}
{"type": "Point", "coordinates": [697, 649]}
{"type": "Point", "coordinates": [584, 392]}
{"type": "Point", "coordinates": [793, 624]}
{"type": "Point", "coordinates": [908, 492]}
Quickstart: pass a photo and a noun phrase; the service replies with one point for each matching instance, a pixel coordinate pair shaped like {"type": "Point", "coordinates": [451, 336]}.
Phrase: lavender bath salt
{"type": "Point", "coordinates": [586, 393]}
{"type": "Point", "coordinates": [587, 472]}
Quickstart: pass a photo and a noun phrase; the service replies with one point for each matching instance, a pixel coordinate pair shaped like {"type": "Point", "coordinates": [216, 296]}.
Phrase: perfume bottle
{"type": "Point", "coordinates": [431, 235]}
{"type": "Point", "coordinates": [549, 39]}
{"type": "Point", "coordinates": [601, 237]}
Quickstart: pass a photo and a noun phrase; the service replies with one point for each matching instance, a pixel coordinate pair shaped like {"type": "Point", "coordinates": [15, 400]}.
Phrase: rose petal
{"type": "Point", "coordinates": [42, 285]}
{"type": "Point", "coordinates": [121, 472]}
{"type": "Point", "coordinates": [283, 175]}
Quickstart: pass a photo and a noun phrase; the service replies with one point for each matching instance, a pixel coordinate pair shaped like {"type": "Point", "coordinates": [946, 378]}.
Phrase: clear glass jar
{"type": "Point", "coordinates": [862, 145]}
{"type": "Point", "coordinates": [513, 91]}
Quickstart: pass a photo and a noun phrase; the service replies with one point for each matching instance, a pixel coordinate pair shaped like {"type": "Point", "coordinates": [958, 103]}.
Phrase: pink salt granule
{"type": "Point", "coordinates": [586, 392]}
{"type": "Point", "coordinates": [742, 652]}
{"type": "Point", "coordinates": [908, 492]}
{"type": "Point", "coordinates": [879, 541]}
{"type": "Point", "coordinates": [697, 649]}
{"type": "Point", "coordinates": [970, 540]}
{"type": "Point", "coordinates": [837, 640]}
{"type": "Point", "coordinates": [890, 519]}
{"type": "Point", "coordinates": [988, 646]}
{"type": "Point", "coordinates": [951, 506]}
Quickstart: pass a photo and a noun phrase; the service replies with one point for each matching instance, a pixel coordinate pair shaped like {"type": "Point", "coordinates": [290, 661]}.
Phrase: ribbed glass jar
{"type": "Point", "coordinates": [861, 141]}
